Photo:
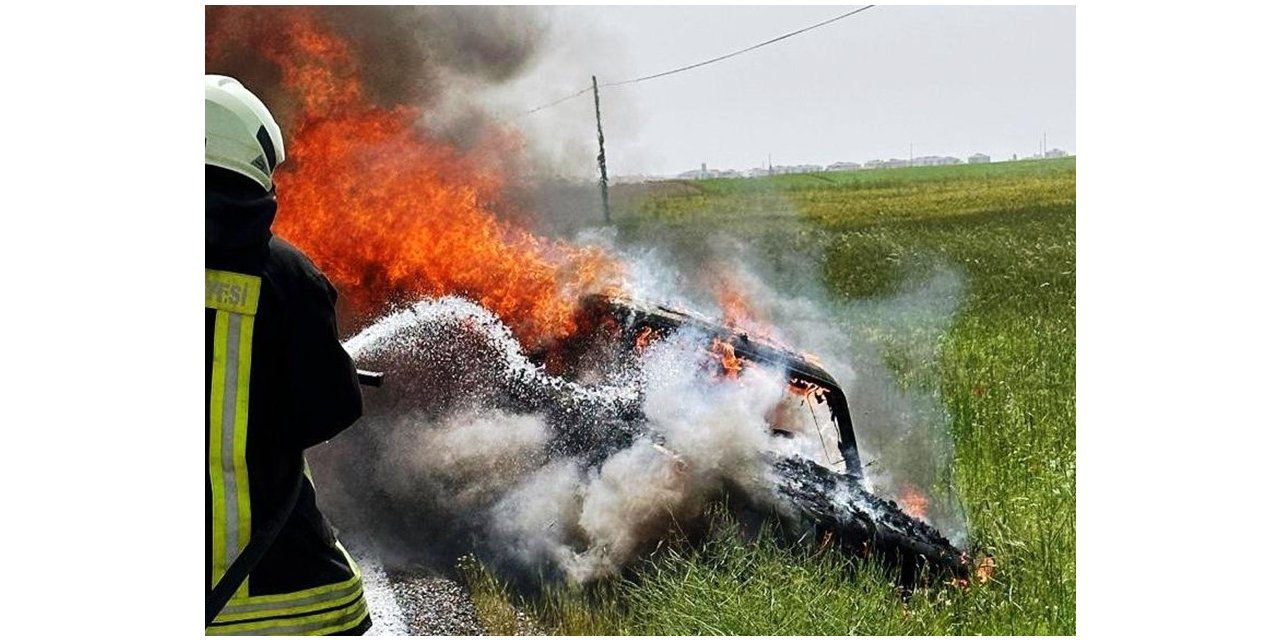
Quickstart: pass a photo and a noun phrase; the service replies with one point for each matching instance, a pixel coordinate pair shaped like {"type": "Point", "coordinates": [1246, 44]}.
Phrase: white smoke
{"type": "Point", "coordinates": [536, 521]}
{"type": "Point", "coordinates": [707, 434]}
{"type": "Point", "coordinates": [903, 431]}
{"type": "Point", "coordinates": [461, 453]}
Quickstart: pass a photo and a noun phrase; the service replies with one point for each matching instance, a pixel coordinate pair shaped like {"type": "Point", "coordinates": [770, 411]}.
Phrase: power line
{"type": "Point", "coordinates": [552, 104]}
{"type": "Point", "coordinates": [705, 62]}
{"type": "Point", "coordinates": [739, 52]}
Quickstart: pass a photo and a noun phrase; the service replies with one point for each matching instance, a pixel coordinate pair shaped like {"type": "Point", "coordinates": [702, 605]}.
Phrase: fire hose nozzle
{"type": "Point", "coordinates": [370, 378]}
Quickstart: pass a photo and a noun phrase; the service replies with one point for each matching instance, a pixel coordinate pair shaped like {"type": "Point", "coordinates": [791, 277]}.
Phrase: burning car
{"type": "Point", "coordinates": [827, 491]}
{"type": "Point", "coordinates": [447, 357]}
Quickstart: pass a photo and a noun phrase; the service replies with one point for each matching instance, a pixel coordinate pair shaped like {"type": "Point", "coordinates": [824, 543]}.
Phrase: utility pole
{"type": "Point", "coordinates": [604, 174]}
{"type": "Point", "coordinates": [911, 155]}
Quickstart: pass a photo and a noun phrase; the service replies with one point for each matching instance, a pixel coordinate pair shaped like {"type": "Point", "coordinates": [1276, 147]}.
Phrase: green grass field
{"type": "Point", "coordinates": [1005, 372]}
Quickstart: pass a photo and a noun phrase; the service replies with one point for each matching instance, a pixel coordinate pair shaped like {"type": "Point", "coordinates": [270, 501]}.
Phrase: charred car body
{"type": "Point", "coordinates": [829, 494]}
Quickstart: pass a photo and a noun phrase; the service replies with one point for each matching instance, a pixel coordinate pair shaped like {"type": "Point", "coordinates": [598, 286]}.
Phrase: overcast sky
{"type": "Point", "coordinates": [946, 80]}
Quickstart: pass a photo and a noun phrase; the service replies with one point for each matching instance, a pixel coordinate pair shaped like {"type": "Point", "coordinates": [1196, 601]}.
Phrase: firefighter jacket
{"type": "Point", "coordinates": [277, 381]}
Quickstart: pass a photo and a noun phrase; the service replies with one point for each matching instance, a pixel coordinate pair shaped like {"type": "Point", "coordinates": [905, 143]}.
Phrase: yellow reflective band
{"type": "Point", "coordinates": [241, 437]}
{"type": "Point", "coordinates": [257, 611]}
{"type": "Point", "coordinates": [228, 438]}
{"type": "Point", "coordinates": [315, 624]}
{"type": "Point", "coordinates": [215, 445]}
{"type": "Point", "coordinates": [231, 292]}
{"type": "Point", "coordinates": [282, 599]}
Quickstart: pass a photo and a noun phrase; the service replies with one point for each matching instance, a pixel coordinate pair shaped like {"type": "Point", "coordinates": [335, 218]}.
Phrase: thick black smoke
{"type": "Point", "coordinates": [430, 57]}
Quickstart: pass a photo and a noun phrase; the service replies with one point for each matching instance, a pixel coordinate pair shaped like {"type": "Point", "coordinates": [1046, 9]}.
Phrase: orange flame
{"type": "Point", "coordinates": [736, 309]}
{"type": "Point", "coordinates": [729, 360]}
{"type": "Point", "coordinates": [986, 569]}
{"type": "Point", "coordinates": [644, 338]}
{"type": "Point", "coordinates": [913, 502]}
{"type": "Point", "coordinates": [801, 388]}
{"type": "Point", "coordinates": [734, 305]}
{"type": "Point", "coordinates": [391, 214]}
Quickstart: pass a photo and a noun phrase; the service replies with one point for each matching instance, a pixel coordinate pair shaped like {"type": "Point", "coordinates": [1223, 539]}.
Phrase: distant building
{"type": "Point", "coordinates": [700, 173]}
{"type": "Point", "coordinates": [1055, 153]}
{"type": "Point", "coordinates": [891, 163]}
{"type": "Point", "coordinates": [703, 173]}
{"type": "Point", "coordinates": [935, 161]}
{"type": "Point", "coordinates": [796, 168]}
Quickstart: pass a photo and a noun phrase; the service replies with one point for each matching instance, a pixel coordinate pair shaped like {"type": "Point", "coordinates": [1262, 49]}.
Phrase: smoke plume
{"type": "Point", "coordinates": [432, 57]}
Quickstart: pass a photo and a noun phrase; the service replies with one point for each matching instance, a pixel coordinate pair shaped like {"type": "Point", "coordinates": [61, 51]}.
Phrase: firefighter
{"type": "Point", "coordinates": [277, 382]}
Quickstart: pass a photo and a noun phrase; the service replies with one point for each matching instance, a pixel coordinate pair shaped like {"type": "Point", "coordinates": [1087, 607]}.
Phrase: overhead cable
{"type": "Point", "coordinates": [704, 62]}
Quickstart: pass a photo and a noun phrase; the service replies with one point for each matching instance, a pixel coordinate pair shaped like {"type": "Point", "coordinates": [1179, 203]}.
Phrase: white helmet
{"type": "Point", "coordinates": [239, 133]}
